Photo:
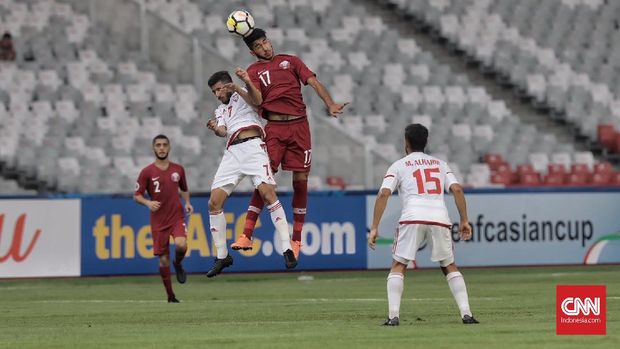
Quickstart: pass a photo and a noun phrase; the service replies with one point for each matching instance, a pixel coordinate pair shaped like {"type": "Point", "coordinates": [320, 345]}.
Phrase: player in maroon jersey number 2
{"type": "Point", "coordinates": [281, 103]}
{"type": "Point", "coordinates": [162, 180]}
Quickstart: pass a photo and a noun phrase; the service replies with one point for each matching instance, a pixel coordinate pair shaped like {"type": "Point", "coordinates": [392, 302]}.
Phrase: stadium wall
{"type": "Point", "coordinates": [108, 235]}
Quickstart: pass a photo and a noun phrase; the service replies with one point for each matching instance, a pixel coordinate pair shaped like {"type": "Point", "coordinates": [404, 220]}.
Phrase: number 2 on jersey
{"type": "Point", "coordinates": [428, 178]}
{"type": "Point", "coordinates": [156, 184]}
{"type": "Point", "coordinates": [265, 78]}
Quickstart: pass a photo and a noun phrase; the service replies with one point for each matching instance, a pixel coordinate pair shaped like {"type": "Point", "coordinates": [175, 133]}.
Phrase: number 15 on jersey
{"type": "Point", "coordinates": [431, 176]}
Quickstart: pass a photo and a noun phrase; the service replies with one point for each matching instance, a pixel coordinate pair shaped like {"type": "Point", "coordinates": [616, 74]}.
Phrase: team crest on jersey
{"type": "Point", "coordinates": [235, 97]}
{"type": "Point", "coordinates": [175, 177]}
{"type": "Point", "coordinates": [285, 65]}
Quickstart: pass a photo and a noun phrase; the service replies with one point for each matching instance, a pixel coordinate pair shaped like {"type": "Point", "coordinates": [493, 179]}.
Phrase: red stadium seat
{"type": "Point", "coordinates": [603, 167]}
{"type": "Point", "coordinates": [494, 161]}
{"type": "Point", "coordinates": [504, 178]}
{"type": "Point", "coordinates": [606, 135]}
{"type": "Point", "coordinates": [615, 179]}
{"type": "Point", "coordinates": [525, 168]}
{"type": "Point", "coordinates": [600, 179]}
{"type": "Point", "coordinates": [580, 168]}
{"type": "Point", "coordinates": [558, 169]}
{"type": "Point", "coordinates": [529, 178]}
{"type": "Point", "coordinates": [554, 179]}
{"type": "Point", "coordinates": [577, 179]}
{"type": "Point", "coordinates": [336, 181]}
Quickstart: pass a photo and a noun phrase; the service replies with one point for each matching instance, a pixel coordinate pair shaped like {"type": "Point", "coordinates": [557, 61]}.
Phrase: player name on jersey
{"type": "Point", "coordinates": [422, 162]}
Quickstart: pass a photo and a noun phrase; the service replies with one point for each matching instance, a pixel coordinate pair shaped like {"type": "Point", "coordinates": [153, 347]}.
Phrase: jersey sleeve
{"type": "Point", "coordinates": [303, 72]}
{"type": "Point", "coordinates": [390, 181]}
{"type": "Point", "coordinates": [183, 180]}
{"type": "Point", "coordinates": [141, 183]}
{"type": "Point", "coordinates": [450, 177]}
{"type": "Point", "coordinates": [219, 116]}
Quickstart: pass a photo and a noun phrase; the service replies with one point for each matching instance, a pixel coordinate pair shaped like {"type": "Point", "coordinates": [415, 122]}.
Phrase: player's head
{"type": "Point", "coordinates": [259, 44]}
{"type": "Point", "coordinates": [416, 137]}
{"type": "Point", "coordinates": [161, 147]}
{"type": "Point", "coordinates": [216, 83]}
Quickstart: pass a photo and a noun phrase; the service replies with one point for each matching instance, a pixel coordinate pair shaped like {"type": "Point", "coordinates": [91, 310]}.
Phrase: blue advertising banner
{"type": "Point", "coordinates": [520, 228]}
{"type": "Point", "coordinates": [116, 236]}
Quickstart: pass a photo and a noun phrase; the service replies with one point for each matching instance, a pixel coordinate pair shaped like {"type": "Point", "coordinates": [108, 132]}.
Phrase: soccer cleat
{"type": "Point", "coordinates": [469, 320]}
{"type": "Point", "coordinates": [296, 245]}
{"type": "Point", "coordinates": [392, 322]}
{"type": "Point", "coordinates": [220, 264]}
{"type": "Point", "coordinates": [173, 299]}
{"type": "Point", "coordinates": [289, 259]}
{"type": "Point", "coordinates": [180, 273]}
{"type": "Point", "coordinates": [242, 243]}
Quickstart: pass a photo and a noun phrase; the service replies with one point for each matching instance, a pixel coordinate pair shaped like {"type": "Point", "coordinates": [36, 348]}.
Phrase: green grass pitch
{"type": "Point", "coordinates": [516, 308]}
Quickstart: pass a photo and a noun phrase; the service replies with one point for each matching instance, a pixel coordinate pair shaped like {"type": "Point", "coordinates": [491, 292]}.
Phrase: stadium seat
{"type": "Point", "coordinates": [336, 182]}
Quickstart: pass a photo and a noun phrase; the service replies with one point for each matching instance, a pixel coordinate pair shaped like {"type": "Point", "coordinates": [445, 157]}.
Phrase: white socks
{"type": "Point", "coordinates": [278, 217]}
{"type": "Point", "coordinates": [395, 292]}
{"type": "Point", "coordinates": [459, 291]}
{"type": "Point", "coordinates": [217, 222]}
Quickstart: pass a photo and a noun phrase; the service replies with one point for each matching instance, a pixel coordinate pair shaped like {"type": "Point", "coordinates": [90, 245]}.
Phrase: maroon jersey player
{"type": "Point", "coordinates": [163, 180]}
{"type": "Point", "coordinates": [279, 101]}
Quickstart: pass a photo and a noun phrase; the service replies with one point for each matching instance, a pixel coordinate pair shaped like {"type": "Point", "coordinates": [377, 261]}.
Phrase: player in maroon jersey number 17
{"type": "Point", "coordinates": [280, 102]}
{"type": "Point", "coordinates": [162, 180]}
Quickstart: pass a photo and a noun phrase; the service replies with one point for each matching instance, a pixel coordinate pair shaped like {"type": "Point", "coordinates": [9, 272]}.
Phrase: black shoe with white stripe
{"type": "Point", "coordinates": [392, 322]}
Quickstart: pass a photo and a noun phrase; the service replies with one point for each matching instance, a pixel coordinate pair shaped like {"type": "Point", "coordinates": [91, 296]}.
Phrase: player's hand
{"type": "Point", "coordinates": [189, 208]}
{"type": "Point", "coordinates": [372, 238]}
{"type": "Point", "coordinates": [242, 74]}
{"type": "Point", "coordinates": [465, 230]}
{"type": "Point", "coordinates": [212, 123]}
{"type": "Point", "coordinates": [230, 87]}
{"type": "Point", "coordinates": [336, 109]}
{"type": "Point", "coordinates": [154, 205]}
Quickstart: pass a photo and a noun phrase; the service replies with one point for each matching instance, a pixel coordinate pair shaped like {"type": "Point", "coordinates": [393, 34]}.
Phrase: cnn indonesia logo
{"type": "Point", "coordinates": [580, 309]}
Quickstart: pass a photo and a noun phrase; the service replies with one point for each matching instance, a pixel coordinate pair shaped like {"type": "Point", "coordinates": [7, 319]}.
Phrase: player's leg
{"type": "Point", "coordinates": [298, 158]}
{"type": "Point", "coordinates": [407, 240]}
{"type": "Point", "coordinates": [254, 209]}
{"type": "Point", "coordinates": [300, 204]}
{"type": "Point", "coordinates": [456, 282]}
{"type": "Point", "coordinates": [161, 245]}
{"type": "Point", "coordinates": [442, 251]}
{"type": "Point", "coordinates": [395, 287]}
{"type": "Point", "coordinates": [278, 217]}
{"type": "Point", "coordinates": [275, 151]}
{"type": "Point", "coordinates": [180, 247]}
{"type": "Point", "coordinates": [217, 222]}
{"type": "Point", "coordinates": [164, 272]}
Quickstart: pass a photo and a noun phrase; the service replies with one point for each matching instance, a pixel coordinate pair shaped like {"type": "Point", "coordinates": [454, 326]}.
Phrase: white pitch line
{"type": "Point", "coordinates": [304, 300]}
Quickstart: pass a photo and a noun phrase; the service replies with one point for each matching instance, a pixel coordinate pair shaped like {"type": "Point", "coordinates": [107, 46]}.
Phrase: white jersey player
{"type": "Point", "coordinates": [421, 180]}
{"type": "Point", "coordinates": [245, 155]}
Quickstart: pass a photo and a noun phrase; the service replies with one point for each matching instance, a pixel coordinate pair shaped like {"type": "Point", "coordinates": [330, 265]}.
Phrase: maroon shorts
{"type": "Point", "coordinates": [289, 145]}
{"type": "Point", "coordinates": [161, 238]}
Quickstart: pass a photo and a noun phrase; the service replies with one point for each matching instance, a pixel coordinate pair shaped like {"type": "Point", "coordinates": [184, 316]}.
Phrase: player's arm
{"type": "Point", "coordinates": [184, 189]}
{"type": "Point", "coordinates": [219, 131]}
{"type": "Point", "coordinates": [380, 204]}
{"type": "Point", "coordinates": [461, 205]}
{"type": "Point", "coordinates": [152, 205]}
{"type": "Point", "coordinates": [253, 96]}
{"type": "Point", "coordinates": [333, 108]}
{"type": "Point", "coordinates": [188, 206]}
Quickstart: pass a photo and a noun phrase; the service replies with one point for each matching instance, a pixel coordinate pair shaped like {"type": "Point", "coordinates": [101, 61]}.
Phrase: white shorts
{"type": "Point", "coordinates": [240, 160]}
{"type": "Point", "coordinates": [409, 238]}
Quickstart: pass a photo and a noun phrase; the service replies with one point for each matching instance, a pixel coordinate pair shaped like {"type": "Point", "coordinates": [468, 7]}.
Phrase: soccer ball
{"type": "Point", "coordinates": [240, 23]}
